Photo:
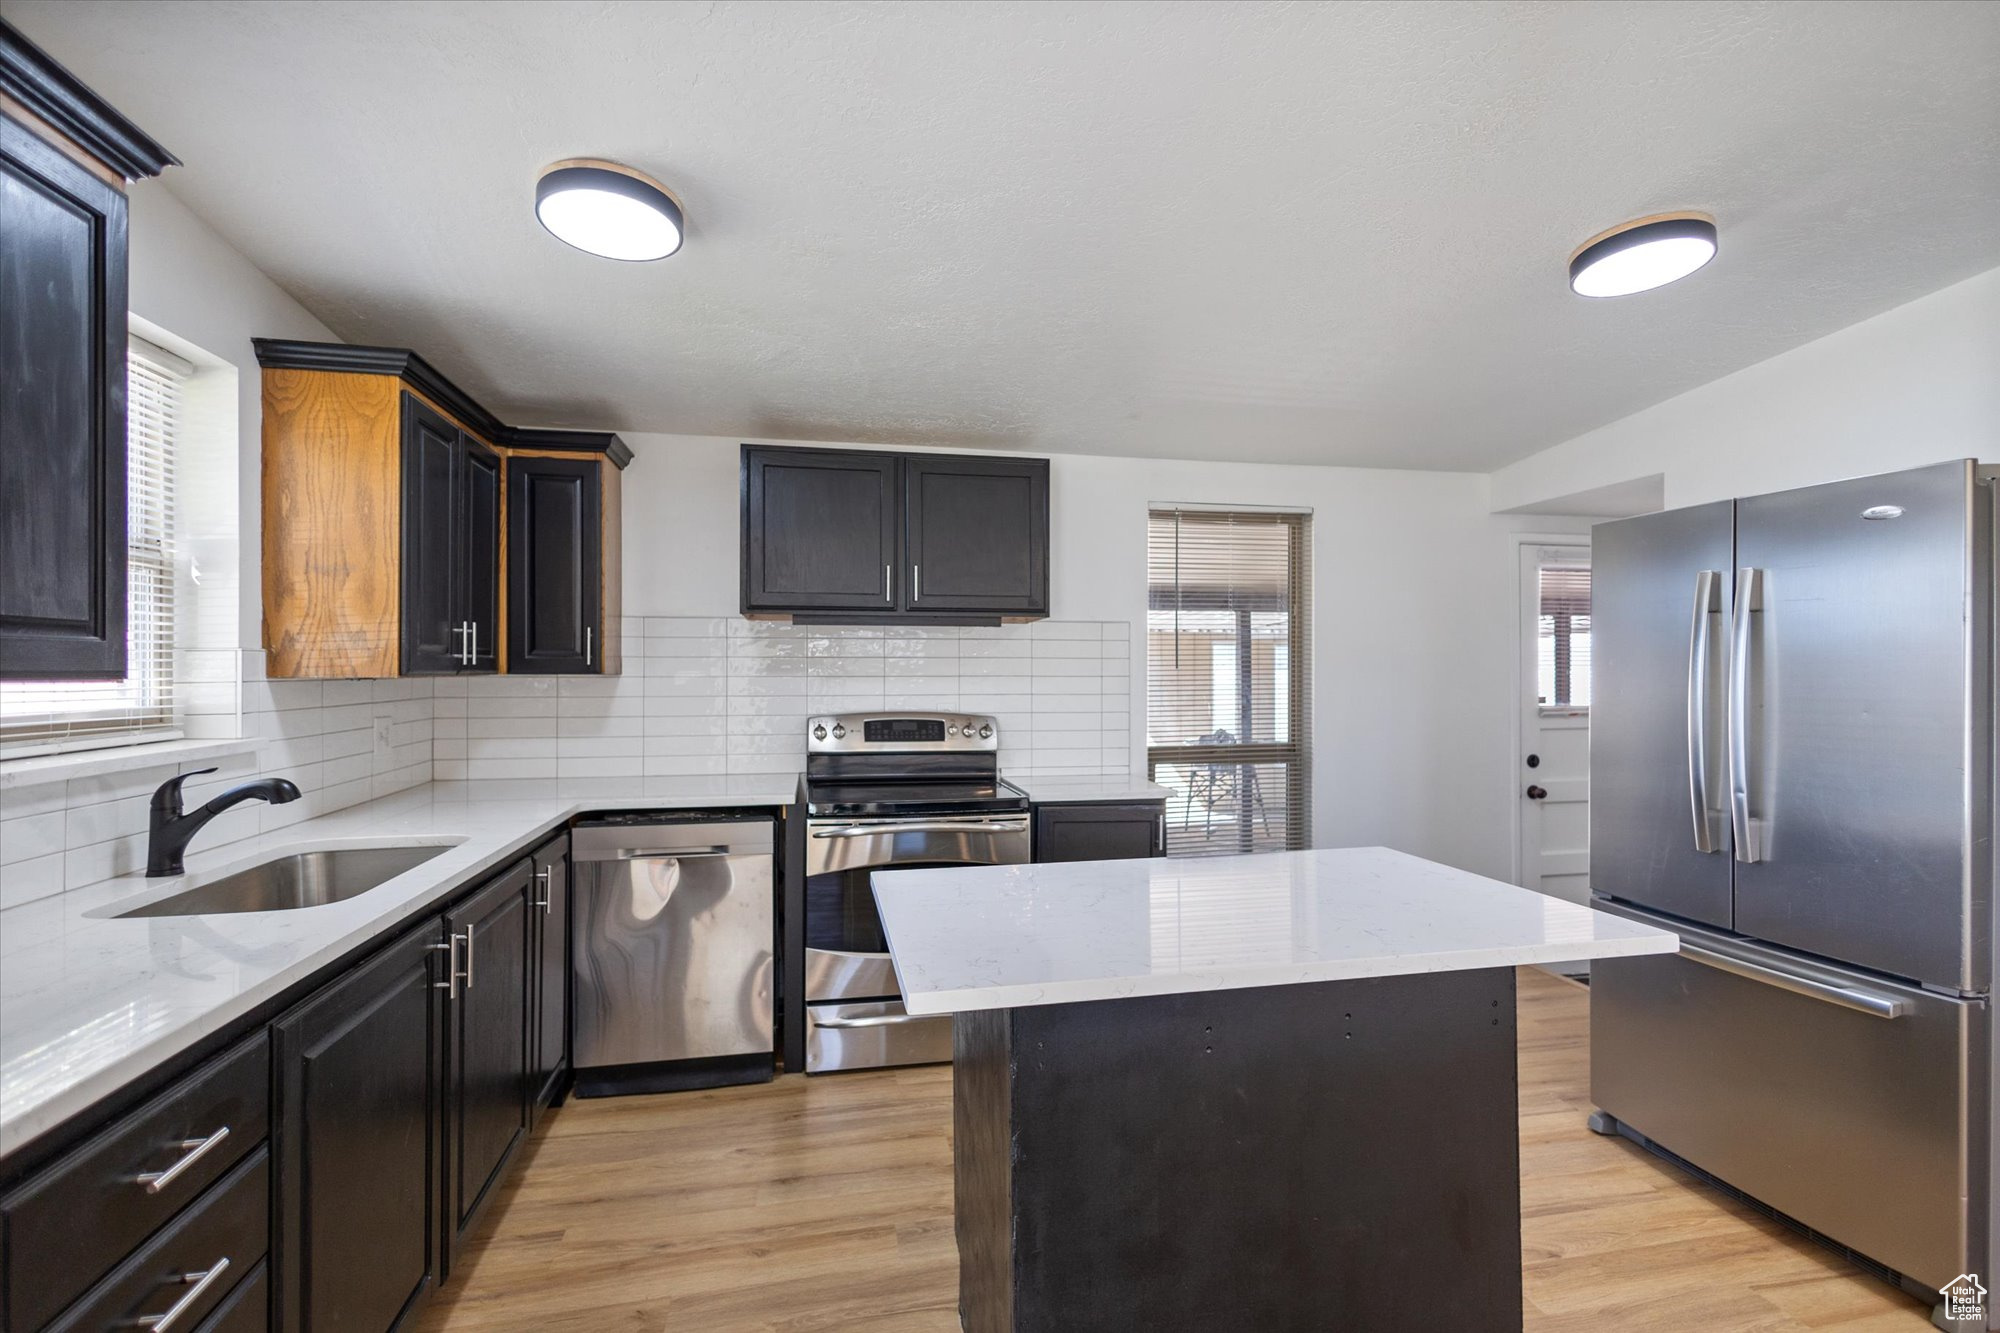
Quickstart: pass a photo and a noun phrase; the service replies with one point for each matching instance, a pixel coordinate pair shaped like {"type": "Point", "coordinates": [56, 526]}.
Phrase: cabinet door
{"type": "Point", "coordinates": [819, 530]}
{"type": "Point", "coordinates": [489, 1040]}
{"type": "Point", "coordinates": [550, 970]}
{"type": "Point", "coordinates": [978, 534]}
{"type": "Point", "coordinates": [1099, 832]}
{"type": "Point", "coordinates": [433, 567]}
{"type": "Point", "coordinates": [62, 416]}
{"type": "Point", "coordinates": [554, 565]}
{"type": "Point", "coordinates": [479, 553]}
{"type": "Point", "coordinates": [360, 1122]}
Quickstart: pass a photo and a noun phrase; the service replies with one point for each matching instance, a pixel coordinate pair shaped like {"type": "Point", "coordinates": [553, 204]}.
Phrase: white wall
{"type": "Point", "coordinates": [1918, 384]}
{"type": "Point", "coordinates": [1414, 615]}
{"type": "Point", "coordinates": [189, 282]}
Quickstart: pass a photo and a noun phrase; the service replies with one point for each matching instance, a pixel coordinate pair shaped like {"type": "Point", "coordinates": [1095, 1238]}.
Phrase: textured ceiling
{"type": "Point", "coordinates": [1255, 231]}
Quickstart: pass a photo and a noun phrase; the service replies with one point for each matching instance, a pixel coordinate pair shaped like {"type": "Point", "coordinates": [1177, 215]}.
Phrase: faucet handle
{"type": "Point", "coordinates": [167, 797]}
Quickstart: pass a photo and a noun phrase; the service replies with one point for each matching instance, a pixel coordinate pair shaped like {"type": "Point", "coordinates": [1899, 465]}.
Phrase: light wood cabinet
{"type": "Point", "coordinates": [386, 521]}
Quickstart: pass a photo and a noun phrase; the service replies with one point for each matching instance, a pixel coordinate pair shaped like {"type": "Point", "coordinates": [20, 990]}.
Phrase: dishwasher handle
{"type": "Point", "coordinates": [644, 842]}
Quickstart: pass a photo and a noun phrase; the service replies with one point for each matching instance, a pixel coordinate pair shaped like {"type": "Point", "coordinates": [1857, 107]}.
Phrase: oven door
{"type": "Point", "coordinates": [847, 957]}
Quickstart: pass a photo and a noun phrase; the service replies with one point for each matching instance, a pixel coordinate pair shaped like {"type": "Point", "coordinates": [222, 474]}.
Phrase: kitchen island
{"type": "Point", "coordinates": [1272, 1092]}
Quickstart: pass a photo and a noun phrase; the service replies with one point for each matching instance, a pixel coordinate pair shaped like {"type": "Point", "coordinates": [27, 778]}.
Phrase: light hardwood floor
{"type": "Point", "coordinates": [815, 1204]}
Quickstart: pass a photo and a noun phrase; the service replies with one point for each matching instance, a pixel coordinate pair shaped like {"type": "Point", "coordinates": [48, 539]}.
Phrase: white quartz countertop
{"type": "Point", "coordinates": [1114, 788]}
{"type": "Point", "coordinates": [1002, 937]}
{"type": "Point", "coordinates": [89, 1002]}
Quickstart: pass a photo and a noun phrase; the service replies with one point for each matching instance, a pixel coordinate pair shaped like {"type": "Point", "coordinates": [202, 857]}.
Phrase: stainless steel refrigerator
{"type": "Point", "coordinates": [1792, 765]}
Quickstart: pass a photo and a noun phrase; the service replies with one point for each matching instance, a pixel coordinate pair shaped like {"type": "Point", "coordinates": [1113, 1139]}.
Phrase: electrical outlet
{"type": "Point", "coordinates": [385, 745]}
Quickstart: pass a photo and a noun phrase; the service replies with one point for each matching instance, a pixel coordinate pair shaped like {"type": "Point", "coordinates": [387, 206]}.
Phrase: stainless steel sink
{"type": "Point", "coordinates": [304, 879]}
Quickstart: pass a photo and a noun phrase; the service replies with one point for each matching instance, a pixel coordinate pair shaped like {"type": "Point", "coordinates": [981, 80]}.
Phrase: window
{"type": "Point", "coordinates": [1227, 672]}
{"type": "Point", "coordinates": [1562, 649]}
{"type": "Point", "coordinates": [43, 716]}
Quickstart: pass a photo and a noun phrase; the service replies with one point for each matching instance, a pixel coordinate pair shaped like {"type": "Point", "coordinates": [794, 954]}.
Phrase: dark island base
{"type": "Point", "coordinates": [1333, 1156]}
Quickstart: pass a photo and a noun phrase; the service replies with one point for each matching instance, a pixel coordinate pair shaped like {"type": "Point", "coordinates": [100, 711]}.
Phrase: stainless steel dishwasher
{"type": "Point", "coordinates": [674, 950]}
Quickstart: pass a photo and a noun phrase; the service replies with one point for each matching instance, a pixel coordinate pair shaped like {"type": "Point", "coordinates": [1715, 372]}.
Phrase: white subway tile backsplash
{"type": "Point", "coordinates": [705, 698]}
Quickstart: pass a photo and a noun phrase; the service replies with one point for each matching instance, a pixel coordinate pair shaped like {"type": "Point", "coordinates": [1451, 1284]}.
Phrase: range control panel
{"type": "Point", "coordinates": [851, 733]}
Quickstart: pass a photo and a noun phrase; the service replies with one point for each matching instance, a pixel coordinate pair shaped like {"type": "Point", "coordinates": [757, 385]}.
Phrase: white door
{"type": "Point", "coordinates": [1553, 780]}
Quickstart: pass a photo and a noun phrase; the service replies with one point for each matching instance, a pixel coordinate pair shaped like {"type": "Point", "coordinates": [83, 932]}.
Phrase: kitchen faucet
{"type": "Point", "coordinates": [172, 830]}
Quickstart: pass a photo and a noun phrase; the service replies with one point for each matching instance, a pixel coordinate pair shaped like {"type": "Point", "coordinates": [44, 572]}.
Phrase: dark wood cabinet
{"type": "Point", "coordinates": [822, 530]}
{"type": "Point", "coordinates": [451, 547]}
{"type": "Point", "coordinates": [554, 565]}
{"type": "Point", "coordinates": [62, 344]}
{"type": "Point", "coordinates": [361, 1095]}
{"type": "Point", "coordinates": [1100, 831]}
{"type": "Point", "coordinates": [548, 976]}
{"type": "Point", "coordinates": [488, 937]}
{"type": "Point", "coordinates": [833, 535]}
{"type": "Point", "coordinates": [978, 534]}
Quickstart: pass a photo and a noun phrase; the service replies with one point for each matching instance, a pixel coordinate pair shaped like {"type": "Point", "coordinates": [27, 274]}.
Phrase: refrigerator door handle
{"type": "Point", "coordinates": [1749, 602]}
{"type": "Point", "coordinates": [1707, 602]}
{"type": "Point", "coordinates": [1861, 1001]}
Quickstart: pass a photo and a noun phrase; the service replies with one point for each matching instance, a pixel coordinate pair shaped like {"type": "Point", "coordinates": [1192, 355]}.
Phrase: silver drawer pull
{"type": "Point", "coordinates": [542, 877]}
{"type": "Point", "coordinates": [876, 1020]}
{"type": "Point", "coordinates": [1847, 997]}
{"type": "Point", "coordinates": [199, 1285]}
{"type": "Point", "coordinates": [192, 1150]}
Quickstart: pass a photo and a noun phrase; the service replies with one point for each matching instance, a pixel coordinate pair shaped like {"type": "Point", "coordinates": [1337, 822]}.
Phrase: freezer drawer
{"type": "Point", "coordinates": [1852, 1121]}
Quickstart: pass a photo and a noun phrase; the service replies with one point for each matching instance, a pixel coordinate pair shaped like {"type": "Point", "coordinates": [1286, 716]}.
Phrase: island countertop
{"type": "Point", "coordinates": [1003, 937]}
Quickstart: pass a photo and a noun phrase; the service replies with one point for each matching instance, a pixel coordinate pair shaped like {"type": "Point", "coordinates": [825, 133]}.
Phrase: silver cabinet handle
{"type": "Point", "coordinates": [452, 976]}
{"type": "Point", "coordinates": [192, 1151]}
{"type": "Point", "coordinates": [458, 633]}
{"type": "Point", "coordinates": [473, 657]}
{"type": "Point", "coordinates": [542, 877]}
{"type": "Point", "coordinates": [887, 595]}
{"type": "Point", "coordinates": [199, 1283]}
{"type": "Point", "coordinates": [586, 645]}
{"type": "Point", "coordinates": [916, 583]}
{"type": "Point", "coordinates": [1861, 1001]}
{"type": "Point", "coordinates": [1749, 602]}
{"type": "Point", "coordinates": [941, 826]}
{"type": "Point", "coordinates": [1707, 603]}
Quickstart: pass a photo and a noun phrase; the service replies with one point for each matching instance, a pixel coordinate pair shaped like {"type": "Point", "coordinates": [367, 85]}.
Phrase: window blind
{"type": "Point", "coordinates": [1562, 650]}
{"type": "Point", "coordinates": [1228, 677]}
{"type": "Point", "coordinates": [38, 717]}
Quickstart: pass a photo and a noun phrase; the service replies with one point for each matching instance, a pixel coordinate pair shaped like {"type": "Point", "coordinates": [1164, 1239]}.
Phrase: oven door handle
{"type": "Point", "coordinates": [875, 1020]}
{"type": "Point", "coordinates": [927, 826]}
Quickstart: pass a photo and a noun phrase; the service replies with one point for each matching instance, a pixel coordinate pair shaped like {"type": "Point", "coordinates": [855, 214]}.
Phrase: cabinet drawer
{"type": "Point", "coordinates": [188, 1269]}
{"type": "Point", "coordinates": [71, 1223]}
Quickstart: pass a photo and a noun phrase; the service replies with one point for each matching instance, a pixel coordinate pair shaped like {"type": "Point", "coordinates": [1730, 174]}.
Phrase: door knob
{"type": "Point", "coordinates": [1538, 793]}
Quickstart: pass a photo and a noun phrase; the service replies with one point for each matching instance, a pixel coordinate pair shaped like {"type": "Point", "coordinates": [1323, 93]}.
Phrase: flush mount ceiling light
{"type": "Point", "coordinates": [1643, 254]}
{"type": "Point", "coordinates": [609, 210]}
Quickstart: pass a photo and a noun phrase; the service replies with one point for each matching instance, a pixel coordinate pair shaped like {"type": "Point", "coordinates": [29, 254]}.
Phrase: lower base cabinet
{"type": "Point", "coordinates": [487, 940]}
{"type": "Point", "coordinates": [1100, 831]}
{"type": "Point", "coordinates": [361, 1096]}
{"type": "Point", "coordinates": [396, 1097]}
{"type": "Point", "coordinates": [549, 917]}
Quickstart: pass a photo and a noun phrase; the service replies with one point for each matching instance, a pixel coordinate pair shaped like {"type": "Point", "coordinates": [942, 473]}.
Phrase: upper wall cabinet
{"type": "Point", "coordinates": [858, 537]}
{"type": "Point", "coordinates": [557, 566]}
{"type": "Point", "coordinates": [65, 157]}
{"type": "Point", "coordinates": [391, 541]}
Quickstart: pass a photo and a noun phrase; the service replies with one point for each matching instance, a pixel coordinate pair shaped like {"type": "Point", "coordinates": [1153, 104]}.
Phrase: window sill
{"type": "Point", "coordinates": [40, 770]}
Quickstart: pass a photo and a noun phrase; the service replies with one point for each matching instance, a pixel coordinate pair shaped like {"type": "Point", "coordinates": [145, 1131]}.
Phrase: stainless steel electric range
{"type": "Point", "coordinates": [890, 790]}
